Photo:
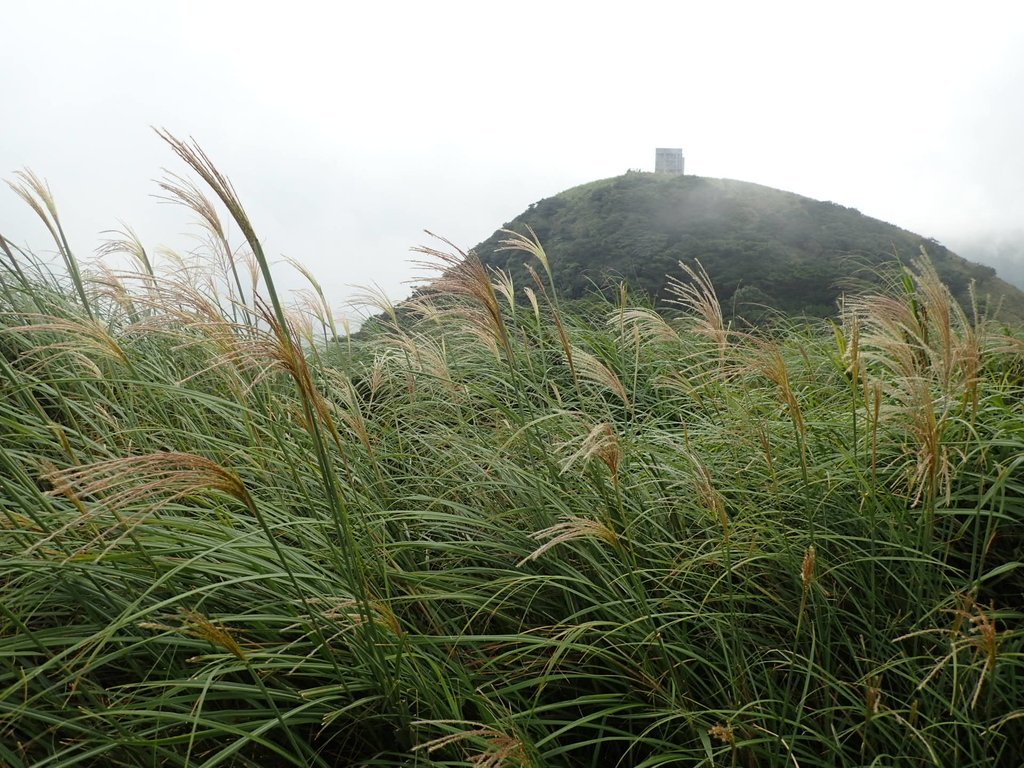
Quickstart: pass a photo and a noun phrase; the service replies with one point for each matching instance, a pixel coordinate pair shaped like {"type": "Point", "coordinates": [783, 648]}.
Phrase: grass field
{"type": "Point", "coordinates": [491, 533]}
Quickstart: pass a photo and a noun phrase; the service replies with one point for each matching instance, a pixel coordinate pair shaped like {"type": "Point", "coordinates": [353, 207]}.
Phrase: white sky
{"type": "Point", "coordinates": [349, 128]}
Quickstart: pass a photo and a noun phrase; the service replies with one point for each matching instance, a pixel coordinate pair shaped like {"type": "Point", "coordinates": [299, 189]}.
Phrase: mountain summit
{"type": "Point", "coordinates": [763, 248]}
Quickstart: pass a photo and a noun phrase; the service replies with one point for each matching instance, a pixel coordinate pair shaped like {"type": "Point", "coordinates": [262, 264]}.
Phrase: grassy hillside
{"type": "Point", "coordinates": [761, 246]}
{"type": "Point", "coordinates": [498, 534]}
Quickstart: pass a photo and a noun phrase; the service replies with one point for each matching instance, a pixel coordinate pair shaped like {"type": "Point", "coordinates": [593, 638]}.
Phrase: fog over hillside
{"type": "Point", "coordinates": [1004, 251]}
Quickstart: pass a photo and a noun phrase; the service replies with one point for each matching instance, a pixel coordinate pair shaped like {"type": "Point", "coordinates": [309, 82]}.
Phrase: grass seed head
{"type": "Point", "coordinates": [808, 567]}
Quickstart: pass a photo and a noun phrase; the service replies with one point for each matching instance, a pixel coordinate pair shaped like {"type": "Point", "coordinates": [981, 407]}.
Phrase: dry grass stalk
{"type": "Point", "coordinates": [151, 480]}
{"type": "Point", "coordinates": [711, 499]}
{"type": "Point", "coordinates": [197, 159]}
{"type": "Point", "coordinates": [808, 567]}
{"type": "Point", "coordinates": [699, 297]}
{"type": "Point", "coordinates": [380, 373]}
{"type": "Point", "coordinates": [195, 624]}
{"type": "Point", "coordinates": [351, 414]}
{"type": "Point", "coordinates": [569, 530]}
{"type": "Point", "coordinates": [647, 325]}
{"type": "Point", "coordinates": [593, 370]}
{"type": "Point", "coordinates": [933, 472]}
{"type": "Point", "coordinates": [182, 191]}
{"type": "Point", "coordinates": [942, 318]}
{"type": "Point", "coordinates": [301, 326]}
{"type": "Point", "coordinates": [556, 315]}
{"type": "Point", "coordinates": [165, 475]}
{"type": "Point", "coordinates": [353, 613]}
{"type": "Point", "coordinates": [500, 750]}
{"type": "Point", "coordinates": [315, 303]}
{"type": "Point", "coordinates": [113, 288]}
{"type": "Point", "coordinates": [723, 733]}
{"type": "Point", "coordinates": [925, 334]}
{"type": "Point", "coordinates": [891, 334]}
{"type": "Point", "coordinates": [531, 245]}
{"type": "Point", "coordinates": [36, 193]}
{"type": "Point", "coordinates": [257, 350]}
{"type": "Point", "coordinates": [531, 296]}
{"type": "Point", "coordinates": [770, 363]}
{"type": "Point", "coordinates": [279, 347]}
{"type": "Point", "coordinates": [934, 356]}
{"type": "Point", "coordinates": [81, 334]}
{"type": "Point", "coordinates": [373, 299]}
{"type": "Point", "coordinates": [464, 276]}
{"type": "Point", "coordinates": [428, 356]}
{"type": "Point", "coordinates": [601, 442]}
{"type": "Point", "coordinates": [974, 628]}
{"type": "Point", "coordinates": [849, 340]}
{"type": "Point", "coordinates": [126, 241]}
{"type": "Point", "coordinates": [194, 319]}
{"type": "Point", "coordinates": [504, 286]}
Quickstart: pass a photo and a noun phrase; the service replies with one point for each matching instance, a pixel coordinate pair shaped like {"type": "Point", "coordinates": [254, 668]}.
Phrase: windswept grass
{"type": "Point", "coordinates": [496, 533]}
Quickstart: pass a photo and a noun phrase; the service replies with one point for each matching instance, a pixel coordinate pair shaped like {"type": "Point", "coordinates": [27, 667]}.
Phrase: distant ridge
{"type": "Point", "coordinates": [765, 249]}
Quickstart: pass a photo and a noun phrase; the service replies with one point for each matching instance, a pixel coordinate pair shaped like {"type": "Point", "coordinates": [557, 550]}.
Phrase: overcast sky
{"type": "Point", "coordinates": [349, 128]}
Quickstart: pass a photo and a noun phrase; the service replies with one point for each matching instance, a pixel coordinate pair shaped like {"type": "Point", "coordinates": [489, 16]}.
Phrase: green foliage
{"type": "Point", "coordinates": [800, 254]}
{"type": "Point", "coordinates": [495, 533]}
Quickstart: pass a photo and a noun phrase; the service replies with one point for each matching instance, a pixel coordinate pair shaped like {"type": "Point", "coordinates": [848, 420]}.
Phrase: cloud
{"type": "Point", "coordinates": [348, 129]}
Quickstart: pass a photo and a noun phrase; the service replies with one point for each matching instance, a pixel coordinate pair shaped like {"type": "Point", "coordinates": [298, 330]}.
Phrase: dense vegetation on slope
{"type": "Point", "coordinates": [761, 246]}
{"type": "Point", "coordinates": [496, 534]}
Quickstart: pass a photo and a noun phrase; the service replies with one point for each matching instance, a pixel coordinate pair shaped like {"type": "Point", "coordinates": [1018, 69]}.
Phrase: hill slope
{"type": "Point", "coordinates": [761, 246]}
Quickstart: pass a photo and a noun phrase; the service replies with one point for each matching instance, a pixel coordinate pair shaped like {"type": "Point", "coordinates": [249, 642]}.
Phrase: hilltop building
{"type": "Point", "coordinates": [668, 160]}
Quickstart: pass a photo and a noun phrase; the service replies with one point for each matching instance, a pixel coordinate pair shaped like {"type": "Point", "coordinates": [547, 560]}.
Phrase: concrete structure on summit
{"type": "Point", "coordinates": [668, 160]}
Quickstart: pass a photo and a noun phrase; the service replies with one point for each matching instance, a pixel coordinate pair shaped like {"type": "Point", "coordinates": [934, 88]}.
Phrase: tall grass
{"type": "Point", "coordinates": [498, 534]}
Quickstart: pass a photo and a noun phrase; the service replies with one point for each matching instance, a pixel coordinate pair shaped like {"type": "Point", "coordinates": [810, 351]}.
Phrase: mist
{"type": "Point", "coordinates": [348, 132]}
